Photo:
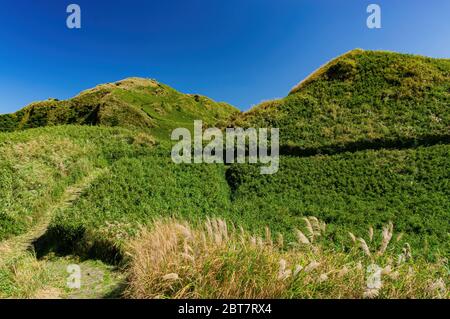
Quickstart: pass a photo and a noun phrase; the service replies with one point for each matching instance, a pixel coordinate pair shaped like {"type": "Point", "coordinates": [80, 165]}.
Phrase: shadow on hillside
{"type": "Point", "coordinates": [62, 242]}
{"type": "Point", "coordinates": [376, 144]}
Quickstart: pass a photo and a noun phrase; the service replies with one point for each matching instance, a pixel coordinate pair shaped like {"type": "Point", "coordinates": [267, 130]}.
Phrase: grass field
{"type": "Point", "coordinates": [352, 190]}
{"type": "Point", "coordinates": [216, 260]}
{"type": "Point", "coordinates": [364, 143]}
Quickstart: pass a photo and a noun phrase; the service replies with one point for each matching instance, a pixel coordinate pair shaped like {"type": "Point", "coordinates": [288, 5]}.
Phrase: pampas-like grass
{"type": "Point", "coordinates": [174, 259]}
{"type": "Point", "coordinates": [364, 247]}
{"type": "Point", "coordinates": [312, 266]}
{"type": "Point", "coordinates": [386, 236]}
{"type": "Point", "coordinates": [371, 293]}
{"type": "Point", "coordinates": [370, 233]}
{"type": "Point", "coordinates": [171, 276]}
{"type": "Point", "coordinates": [352, 237]}
{"type": "Point", "coordinates": [301, 238]}
{"type": "Point", "coordinates": [310, 229]}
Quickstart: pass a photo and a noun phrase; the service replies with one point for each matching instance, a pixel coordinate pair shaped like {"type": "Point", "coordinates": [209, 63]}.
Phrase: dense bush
{"type": "Point", "coordinates": [133, 193]}
{"type": "Point", "coordinates": [351, 190]}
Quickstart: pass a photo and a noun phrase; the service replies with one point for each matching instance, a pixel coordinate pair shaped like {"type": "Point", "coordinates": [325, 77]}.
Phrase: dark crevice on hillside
{"type": "Point", "coordinates": [234, 178]}
{"type": "Point", "coordinates": [93, 118]}
{"type": "Point", "coordinates": [376, 144]}
{"type": "Point", "coordinates": [65, 242]}
{"type": "Point", "coordinates": [233, 181]}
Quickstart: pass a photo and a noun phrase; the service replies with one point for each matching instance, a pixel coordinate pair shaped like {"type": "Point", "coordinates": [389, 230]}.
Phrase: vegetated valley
{"type": "Point", "coordinates": [364, 179]}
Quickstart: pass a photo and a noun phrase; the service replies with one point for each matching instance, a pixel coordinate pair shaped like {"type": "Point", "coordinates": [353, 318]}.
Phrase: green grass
{"type": "Point", "coordinates": [365, 141]}
{"type": "Point", "coordinates": [135, 191]}
{"type": "Point", "coordinates": [27, 277]}
{"type": "Point", "coordinates": [37, 165]}
{"type": "Point", "coordinates": [170, 109]}
{"type": "Point", "coordinates": [362, 99]}
{"type": "Point", "coordinates": [349, 191]}
{"type": "Point", "coordinates": [134, 103]}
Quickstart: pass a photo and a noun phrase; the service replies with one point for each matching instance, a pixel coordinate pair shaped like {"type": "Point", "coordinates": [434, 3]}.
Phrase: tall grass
{"type": "Point", "coordinates": [174, 259]}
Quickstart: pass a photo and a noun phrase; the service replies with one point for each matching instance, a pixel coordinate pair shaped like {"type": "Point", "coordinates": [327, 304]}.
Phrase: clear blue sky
{"type": "Point", "coordinates": [238, 51]}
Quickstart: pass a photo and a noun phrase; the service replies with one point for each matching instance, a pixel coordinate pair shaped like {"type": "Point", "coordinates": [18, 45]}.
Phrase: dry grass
{"type": "Point", "coordinates": [127, 84]}
{"type": "Point", "coordinates": [321, 70]}
{"type": "Point", "coordinates": [22, 277]}
{"type": "Point", "coordinates": [176, 260]}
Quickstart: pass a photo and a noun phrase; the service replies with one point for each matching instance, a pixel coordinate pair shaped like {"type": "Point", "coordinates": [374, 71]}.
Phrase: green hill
{"type": "Point", "coordinates": [352, 190]}
{"type": "Point", "coordinates": [362, 99]}
{"type": "Point", "coordinates": [365, 141]}
{"type": "Point", "coordinates": [132, 103]}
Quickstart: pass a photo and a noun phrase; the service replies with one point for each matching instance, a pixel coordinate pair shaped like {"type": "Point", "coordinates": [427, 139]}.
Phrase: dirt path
{"type": "Point", "coordinates": [98, 279]}
{"type": "Point", "coordinates": [19, 244]}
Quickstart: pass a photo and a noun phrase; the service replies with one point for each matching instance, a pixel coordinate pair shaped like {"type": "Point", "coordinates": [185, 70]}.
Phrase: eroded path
{"type": "Point", "coordinates": [47, 278]}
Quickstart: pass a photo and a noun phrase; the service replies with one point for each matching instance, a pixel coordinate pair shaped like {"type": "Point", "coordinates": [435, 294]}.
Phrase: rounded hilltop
{"type": "Point", "coordinates": [131, 102]}
{"type": "Point", "coordinates": [362, 99]}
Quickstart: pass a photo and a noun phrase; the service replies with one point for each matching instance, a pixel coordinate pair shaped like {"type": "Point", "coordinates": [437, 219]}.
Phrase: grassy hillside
{"type": "Point", "coordinates": [133, 103]}
{"type": "Point", "coordinates": [365, 142]}
{"type": "Point", "coordinates": [134, 193]}
{"type": "Point", "coordinates": [350, 191]}
{"type": "Point", "coordinates": [360, 100]}
{"type": "Point", "coordinates": [38, 165]}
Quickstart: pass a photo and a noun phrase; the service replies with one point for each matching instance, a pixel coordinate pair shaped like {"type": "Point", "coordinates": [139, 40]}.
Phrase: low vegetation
{"type": "Point", "coordinates": [38, 165]}
{"type": "Point", "coordinates": [135, 191]}
{"type": "Point", "coordinates": [132, 103]}
{"type": "Point", "coordinates": [365, 142]}
{"type": "Point", "coordinates": [363, 99]}
{"type": "Point", "coordinates": [177, 260]}
{"type": "Point", "coordinates": [352, 190]}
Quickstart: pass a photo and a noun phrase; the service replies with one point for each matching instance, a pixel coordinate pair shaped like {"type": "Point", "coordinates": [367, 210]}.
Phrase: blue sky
{"type": "Point", "coordinates": [238, 51]}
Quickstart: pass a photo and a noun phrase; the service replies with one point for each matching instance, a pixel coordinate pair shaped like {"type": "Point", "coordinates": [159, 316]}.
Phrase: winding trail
{"type": "Point", "coordinates": [15, 246]}
{"type": "Point", "coordinates": [98, 280]}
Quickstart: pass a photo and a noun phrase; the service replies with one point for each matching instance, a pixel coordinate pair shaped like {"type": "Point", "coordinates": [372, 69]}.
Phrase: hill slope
{"type": "Point", "coordinates": [37, 165]}
{"type": "Point", "coordinates": [360, 100]}
{"type": "Point", "coordinates": [365, 141]}
{"type": "Point", "coordinates": [383, 121]}
{"type": "Point", "coordinates": [134, 102]}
